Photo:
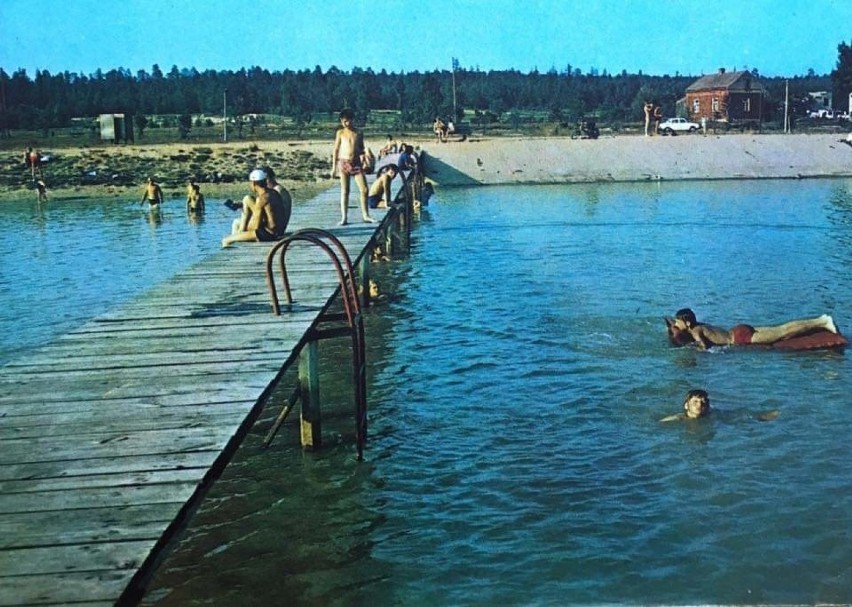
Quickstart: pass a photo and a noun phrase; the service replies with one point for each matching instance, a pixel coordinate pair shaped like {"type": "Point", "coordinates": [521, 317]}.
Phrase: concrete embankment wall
{"type": "Point", "coordinates": [637, 158]}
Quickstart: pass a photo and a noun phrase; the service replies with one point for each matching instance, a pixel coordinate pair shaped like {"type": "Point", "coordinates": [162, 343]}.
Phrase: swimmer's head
{"type": "Point", "coordinates": [696, 404]}
{"type": "Point", "coordinates": [686, 318]}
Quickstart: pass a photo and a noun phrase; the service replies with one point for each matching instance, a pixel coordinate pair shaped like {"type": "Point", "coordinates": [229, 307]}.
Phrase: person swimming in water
{"type": "Point", "coordinates": [695, 405]}
{"type": "Point", "coordinates": [684, 328]}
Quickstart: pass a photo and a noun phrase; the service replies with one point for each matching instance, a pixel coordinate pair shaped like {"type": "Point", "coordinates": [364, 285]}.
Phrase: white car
{"type": "Point", "coordinates": [673, 126]}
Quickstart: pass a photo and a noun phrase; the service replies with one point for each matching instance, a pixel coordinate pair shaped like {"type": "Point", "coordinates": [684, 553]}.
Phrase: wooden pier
{"type": "Point", "coordinates": [110, 435]}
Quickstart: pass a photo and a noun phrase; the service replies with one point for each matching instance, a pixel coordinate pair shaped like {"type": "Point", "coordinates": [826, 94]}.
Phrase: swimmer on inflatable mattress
{"type": "Point", "coordinates": [805, 334]}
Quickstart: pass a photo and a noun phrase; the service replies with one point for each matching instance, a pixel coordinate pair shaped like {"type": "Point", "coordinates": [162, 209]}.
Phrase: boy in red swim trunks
{"type": "Point", "coordinates": [346, 160]}
{"type": "Point", "coordinates": [706, 336]}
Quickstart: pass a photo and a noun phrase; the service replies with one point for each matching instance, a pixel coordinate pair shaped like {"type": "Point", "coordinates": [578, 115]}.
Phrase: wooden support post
{"type": "Point", "coordinates": [364, 277]}
{"type": "Point", "coordinates": [311, 420]}
{"type": "Point", "coordinates": [388, 234]}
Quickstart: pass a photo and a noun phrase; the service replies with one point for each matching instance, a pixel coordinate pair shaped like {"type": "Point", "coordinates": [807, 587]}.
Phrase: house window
{"type": "Point", "coordinates": [747, 105]}
{"type": "Point", "coordinates": [715, 104]}
{"type": "Point", "coordinates": [696, 106]}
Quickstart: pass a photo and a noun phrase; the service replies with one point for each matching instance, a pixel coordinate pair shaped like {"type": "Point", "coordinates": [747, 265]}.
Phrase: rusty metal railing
{"type": "Point", "coordinates": [352, 316]}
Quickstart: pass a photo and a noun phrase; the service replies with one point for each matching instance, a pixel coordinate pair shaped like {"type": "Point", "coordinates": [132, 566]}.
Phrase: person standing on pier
{"type": "Point", "coordinates": [347, 161]}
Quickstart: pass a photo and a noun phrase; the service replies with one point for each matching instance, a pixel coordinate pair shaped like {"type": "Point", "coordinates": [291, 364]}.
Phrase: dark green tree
{"type": "Point", "coordinates": [841, 77]}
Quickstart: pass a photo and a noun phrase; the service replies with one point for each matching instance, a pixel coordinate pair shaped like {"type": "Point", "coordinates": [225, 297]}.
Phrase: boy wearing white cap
{"type": "Point", "coordinates": [264, 216]}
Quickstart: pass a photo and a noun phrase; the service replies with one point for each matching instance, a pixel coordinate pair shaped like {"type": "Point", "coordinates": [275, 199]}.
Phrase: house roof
{"type": "Point", "coordinates": [730, 81]}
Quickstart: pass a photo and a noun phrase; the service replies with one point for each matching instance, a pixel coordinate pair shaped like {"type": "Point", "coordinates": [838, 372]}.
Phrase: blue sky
{"type": "Point", "coordinates": [690, 37]}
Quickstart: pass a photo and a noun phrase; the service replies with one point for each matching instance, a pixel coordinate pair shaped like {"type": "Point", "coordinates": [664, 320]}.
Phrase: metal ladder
{"type": "Point", "coordinates": [354, 323]}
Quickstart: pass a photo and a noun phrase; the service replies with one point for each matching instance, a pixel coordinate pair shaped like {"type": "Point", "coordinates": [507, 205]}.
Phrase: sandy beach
{"type": "Point", "coordinates": [304, 166]}
{"type": "Point", "coordinates": [637, 158]}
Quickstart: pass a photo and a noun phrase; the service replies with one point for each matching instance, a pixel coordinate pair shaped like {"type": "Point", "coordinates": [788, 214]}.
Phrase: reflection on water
{"type": "Point", "coordinates": [518, 372]}
{"type": "Point", "coordinates": [65, 261]}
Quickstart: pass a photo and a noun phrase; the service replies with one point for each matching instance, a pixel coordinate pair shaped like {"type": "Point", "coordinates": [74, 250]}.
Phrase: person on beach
{"type": "Point", "coordinates": [194, 199]}
{"type": "Point", "coordinates": [347, 161]}
{"type": "Point", "coordinates": [647, 108]}
{"type": "Point", "coordinates": [32, 160]}
{"type": "Point", "coordinates": [380, 190]}
{"type": "Point", "coordinates": [388, 148]}
{"type": "Point", "coordinates": [264, 215]}
{"type": "Point", "coordinates": [658, 118]}
{"type": "Point", "coordinates": [440, 129]}
{"type": "Point", "coordinates": [153, 193]}
{"type": "Point", "coordinates": [684, 328]}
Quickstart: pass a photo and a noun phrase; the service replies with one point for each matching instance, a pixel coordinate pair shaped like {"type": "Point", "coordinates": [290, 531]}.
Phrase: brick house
{"type": "Point", "coordinates": [726, 97]}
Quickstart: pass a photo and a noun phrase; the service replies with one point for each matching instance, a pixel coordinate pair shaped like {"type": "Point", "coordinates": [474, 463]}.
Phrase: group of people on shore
{"type": "Point", "coordinates": [653, 118]}
{"type": "Point", "coordinates": [443, 130]}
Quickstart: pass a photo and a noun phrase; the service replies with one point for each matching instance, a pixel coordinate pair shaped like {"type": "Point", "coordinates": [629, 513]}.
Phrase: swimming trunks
{"type": "Point", "coordinates": [263, 236]}
{"type": "Point", "coordinates": [350, 167]}
{"type": "Point", "coordinates": [742, 334]}
{"type": "Point", "coordinates": [374, 200]}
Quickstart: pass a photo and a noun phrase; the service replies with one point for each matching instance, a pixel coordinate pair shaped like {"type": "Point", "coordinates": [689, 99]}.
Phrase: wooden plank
{"type": "Point", "coordinates": [37, 405]}
{"type": "Point", "coordinates": [67, 426]}
{"type": "Point", "coordinates": [108, 556]}
{"type": "Point", "coordinates": [91, 525]}
{"type": "Point", "coordinates": [127, 464]}
{"type": "Point", "coordinates": [101, 481]}
{"type": "Point", "coordinates": [97, 497]}
{"type": "Point", "coordinates": [93, 589]}
{"type": "Point", "coordinates": [117, 444]}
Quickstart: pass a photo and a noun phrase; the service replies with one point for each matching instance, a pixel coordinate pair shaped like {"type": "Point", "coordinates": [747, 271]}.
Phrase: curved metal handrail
{"type": "Point", "coordinates": [351, 307]}
{"type": "Point", "coordinates": [315, 236]}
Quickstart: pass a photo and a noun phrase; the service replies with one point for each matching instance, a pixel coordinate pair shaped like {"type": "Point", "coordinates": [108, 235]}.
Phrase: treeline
{"type": "Point", "coordinates": [52, 100]}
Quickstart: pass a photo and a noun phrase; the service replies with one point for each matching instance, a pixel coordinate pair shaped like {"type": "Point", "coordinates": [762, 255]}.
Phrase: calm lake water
{"type": "Point", "coordinates": [519, 369]}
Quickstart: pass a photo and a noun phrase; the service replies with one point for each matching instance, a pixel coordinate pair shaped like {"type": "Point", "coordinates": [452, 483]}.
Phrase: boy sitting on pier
{"type": "Point", "coordinates": [380, 190]}
{"type": "Point", "coordinates": [264, 216]}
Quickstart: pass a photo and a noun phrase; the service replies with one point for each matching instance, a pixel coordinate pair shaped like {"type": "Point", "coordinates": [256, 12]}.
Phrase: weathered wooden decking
{"type": "Point", "coordinates": [109, 434]}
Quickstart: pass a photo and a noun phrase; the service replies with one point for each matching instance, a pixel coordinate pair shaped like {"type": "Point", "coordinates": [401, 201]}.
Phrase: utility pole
{"type": "Point", "coordinates": [786, 106]}
{"type": "Point", "coordinates": [225, 115]}
{"type": "Point", "coordinates": [455, 67]}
